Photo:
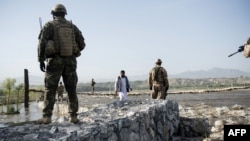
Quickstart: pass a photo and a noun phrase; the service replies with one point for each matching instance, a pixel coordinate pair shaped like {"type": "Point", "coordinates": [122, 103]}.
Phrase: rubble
{"type": "Point", "coordinates": [136, 120]}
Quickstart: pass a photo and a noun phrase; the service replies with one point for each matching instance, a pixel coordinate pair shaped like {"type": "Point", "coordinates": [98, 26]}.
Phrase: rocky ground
{"type": "Point", "coordinates": [216, 109]}
{"type": "Point", "coordinates": [219, 109]}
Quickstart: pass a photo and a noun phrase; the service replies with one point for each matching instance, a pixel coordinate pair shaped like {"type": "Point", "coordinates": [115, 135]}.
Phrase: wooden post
{"type": "Point", "coordinates": [26, 89]}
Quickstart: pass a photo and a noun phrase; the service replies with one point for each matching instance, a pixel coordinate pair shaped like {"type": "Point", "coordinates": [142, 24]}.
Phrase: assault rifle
{"type": "Point", "coordinates": [241, 48]}
{"type": "Point", "coordinates": [42, 64]}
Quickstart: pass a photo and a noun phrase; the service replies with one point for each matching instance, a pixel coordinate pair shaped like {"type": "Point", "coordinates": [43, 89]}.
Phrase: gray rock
{"type": "Point", "coordinates": [134, 120]}
{"type": "Point", "coordinates": [54, 129]}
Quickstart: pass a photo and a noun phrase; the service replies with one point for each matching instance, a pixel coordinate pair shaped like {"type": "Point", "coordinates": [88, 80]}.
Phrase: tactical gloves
{"type": "Point", "coordinates": [42, 66]}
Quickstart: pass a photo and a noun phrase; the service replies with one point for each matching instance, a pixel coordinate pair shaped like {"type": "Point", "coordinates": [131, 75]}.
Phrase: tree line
{"type": "Point", "coordinates": [13, 94]}
{"type": "Point", "coordinates": [175, 84]}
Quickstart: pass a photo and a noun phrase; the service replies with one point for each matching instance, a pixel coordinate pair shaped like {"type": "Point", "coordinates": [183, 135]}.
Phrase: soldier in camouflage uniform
{"type": "Point", "coordinates": [60, 42]}
{"type": "Point", "coordinates": [158, 81]}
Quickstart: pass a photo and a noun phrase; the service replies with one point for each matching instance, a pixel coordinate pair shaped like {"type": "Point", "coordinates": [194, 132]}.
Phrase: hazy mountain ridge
{"type": "Point", "coordinates": [212, 73]}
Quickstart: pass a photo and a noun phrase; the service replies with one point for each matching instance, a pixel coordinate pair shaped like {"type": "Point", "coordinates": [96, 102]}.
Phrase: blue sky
{"type": "Point", "coordinates": [187, 35]}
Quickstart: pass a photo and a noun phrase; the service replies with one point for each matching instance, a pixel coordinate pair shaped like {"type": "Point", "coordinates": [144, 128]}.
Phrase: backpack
{"type": "Point", "coordinates": [155, 73]}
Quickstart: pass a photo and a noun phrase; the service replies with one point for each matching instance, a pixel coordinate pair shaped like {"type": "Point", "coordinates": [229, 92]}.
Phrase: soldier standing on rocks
{"type": "Point", "coordinates": [60, 42]}
{"type": "Point", "coordinates": [158, 81]}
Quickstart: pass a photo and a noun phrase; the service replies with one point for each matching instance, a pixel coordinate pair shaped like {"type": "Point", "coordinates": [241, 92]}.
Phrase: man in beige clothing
{"type": "Point", "coordinates": [158, 81]}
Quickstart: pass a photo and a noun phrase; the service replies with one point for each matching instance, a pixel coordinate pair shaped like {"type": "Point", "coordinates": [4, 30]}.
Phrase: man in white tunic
{"type": "Point", "coordinates": [122, 86]}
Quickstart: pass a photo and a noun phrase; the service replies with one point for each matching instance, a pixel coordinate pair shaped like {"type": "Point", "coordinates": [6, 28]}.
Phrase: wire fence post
{"type": "Point", "coordinates": [26, 89]}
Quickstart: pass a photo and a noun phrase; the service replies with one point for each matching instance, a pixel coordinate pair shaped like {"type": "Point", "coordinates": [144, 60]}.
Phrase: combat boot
{"type": "Point", "coordinates": [74, 119]}
{"type": "Point", "coordinates": [44, 120]}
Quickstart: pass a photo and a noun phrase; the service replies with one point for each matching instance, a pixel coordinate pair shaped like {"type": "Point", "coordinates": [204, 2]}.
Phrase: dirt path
{"type": "Point", "coordinates": [227, 98]}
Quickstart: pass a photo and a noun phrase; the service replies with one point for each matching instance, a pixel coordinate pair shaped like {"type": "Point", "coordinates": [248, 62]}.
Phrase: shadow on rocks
{"type": "Point", "coordinates": [194, 127]}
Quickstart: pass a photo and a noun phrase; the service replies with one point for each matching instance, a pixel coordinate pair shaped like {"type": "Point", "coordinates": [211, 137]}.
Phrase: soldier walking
{"type": "Point", "coordinates": [122, 86]}
{"type": "Point", "coordinates": [60, 42]}
{"type": "Point", "coordinates": [158, 81]}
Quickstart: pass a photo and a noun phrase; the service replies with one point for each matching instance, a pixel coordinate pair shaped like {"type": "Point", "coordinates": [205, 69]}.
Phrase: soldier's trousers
{"type": "Point", "coordinates": [158, 91]}
{"type": "Point", "coordinates": [55, 68]}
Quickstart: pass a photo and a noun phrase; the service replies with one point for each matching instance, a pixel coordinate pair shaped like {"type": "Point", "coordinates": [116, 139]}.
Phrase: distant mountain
{"type": "Point", "coordinates": [212, 73]}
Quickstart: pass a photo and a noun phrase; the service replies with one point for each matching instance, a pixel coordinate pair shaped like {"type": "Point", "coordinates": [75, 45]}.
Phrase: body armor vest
{"type": "Point", "coordinates": [64, 38]}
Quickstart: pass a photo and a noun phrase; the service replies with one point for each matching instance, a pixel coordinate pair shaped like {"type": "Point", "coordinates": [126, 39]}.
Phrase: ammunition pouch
{"type": "Point", "coordinates": [50, 48]}
{"type": "Point", "coordinates": [76, 51]}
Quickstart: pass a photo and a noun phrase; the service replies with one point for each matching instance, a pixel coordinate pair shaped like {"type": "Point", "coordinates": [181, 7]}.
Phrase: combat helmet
{"type": "Point", "coordinates": [158, 61]}
{"type": "Point", "coordinates": [59, 8]}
